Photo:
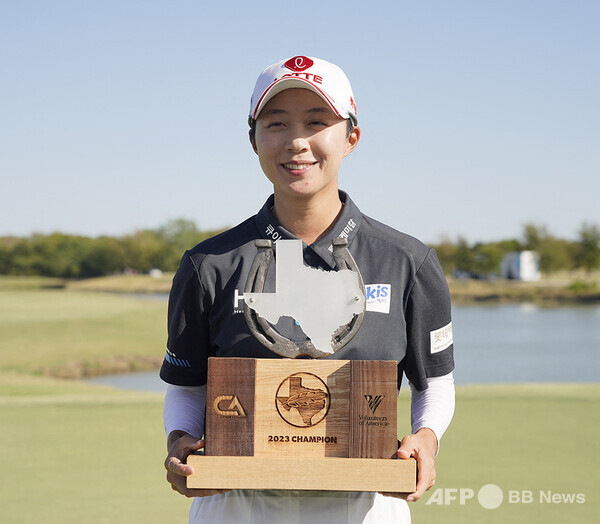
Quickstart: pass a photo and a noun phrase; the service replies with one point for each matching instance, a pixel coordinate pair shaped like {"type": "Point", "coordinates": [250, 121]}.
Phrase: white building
{"type": "Point", "coordinates": [522, 265]}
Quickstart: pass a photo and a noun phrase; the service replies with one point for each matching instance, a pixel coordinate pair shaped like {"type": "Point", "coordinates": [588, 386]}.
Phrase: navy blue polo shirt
{"type": "Point", "coordinates": [407, 319]}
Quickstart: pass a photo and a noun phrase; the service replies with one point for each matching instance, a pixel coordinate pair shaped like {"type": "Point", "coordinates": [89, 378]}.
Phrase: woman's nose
{"type": "Point", "coordinates": [297, 144]}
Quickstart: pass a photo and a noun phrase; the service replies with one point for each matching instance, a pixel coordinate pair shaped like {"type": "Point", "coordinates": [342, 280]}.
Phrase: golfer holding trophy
{"type": "Point", "coordinates": [289, 335]}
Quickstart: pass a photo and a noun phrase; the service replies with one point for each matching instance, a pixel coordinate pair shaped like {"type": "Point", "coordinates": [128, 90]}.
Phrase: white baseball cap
{"type": "Point", "coordinates": [319, 76]}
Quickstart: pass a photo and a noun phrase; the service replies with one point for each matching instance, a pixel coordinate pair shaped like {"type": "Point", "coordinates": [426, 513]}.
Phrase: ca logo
{"type": "Point", "coordinates": [234, 409]}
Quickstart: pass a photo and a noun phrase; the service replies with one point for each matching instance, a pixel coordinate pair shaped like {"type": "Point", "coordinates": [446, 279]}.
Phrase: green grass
{"type": "Point", "coordinates": [124, 284]}
{"type": "Point", "coordinates": [88, 455]}
{"type": "Point", "coordinates": [94, 454]}
{"type": "Point", "coordinates": [13, 283]}
{"type": "Point", "coordinates": [76, 452]}
{"type": "Point", "coordinates": [70, 334]}
{"type": "Point", "coordinates": [518, 437]}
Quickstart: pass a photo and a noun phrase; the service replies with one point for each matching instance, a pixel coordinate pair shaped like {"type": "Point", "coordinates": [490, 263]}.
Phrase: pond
{"type": "Point", "coordinates": [495, 344]}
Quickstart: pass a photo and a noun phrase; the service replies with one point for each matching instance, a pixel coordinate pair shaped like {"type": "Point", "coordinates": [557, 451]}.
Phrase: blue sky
{"type": "Point", "coordinates": [477, 116]}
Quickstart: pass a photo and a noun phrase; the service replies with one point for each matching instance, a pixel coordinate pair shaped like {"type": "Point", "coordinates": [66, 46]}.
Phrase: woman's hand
{"type": "Point", "coordinates": [422, 446]}
{"type": "Point", "coordinates": [181, 445]}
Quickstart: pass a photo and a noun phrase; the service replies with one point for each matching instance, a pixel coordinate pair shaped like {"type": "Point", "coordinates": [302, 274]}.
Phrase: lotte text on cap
{"type": "Point", "coordinates": [323, 78]}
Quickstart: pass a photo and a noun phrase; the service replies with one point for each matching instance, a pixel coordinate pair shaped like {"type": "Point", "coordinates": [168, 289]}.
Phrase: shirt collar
{"type": "Point", "coordinates": [346, 226]}
{"type": "Point", "coordinates": [268, 226]}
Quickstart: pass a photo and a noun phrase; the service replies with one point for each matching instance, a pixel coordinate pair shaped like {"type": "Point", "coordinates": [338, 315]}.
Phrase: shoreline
{"type": "Point", "coordinates": [567, 288]}
{"type": "Point", "coordinates": [547, 292]}
{"type": "Point", "coordinates": [114, 365]}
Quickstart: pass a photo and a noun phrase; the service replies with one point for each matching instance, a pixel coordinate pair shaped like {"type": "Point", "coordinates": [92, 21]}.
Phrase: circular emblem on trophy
{"type": "Point", "coordinates": [302, 400]}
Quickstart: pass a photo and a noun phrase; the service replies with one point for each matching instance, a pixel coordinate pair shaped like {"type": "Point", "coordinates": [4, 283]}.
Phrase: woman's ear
{"type": "Point", "coordinates": [353, 139]}
{"type": "Point", "coordinates": [252, 141]}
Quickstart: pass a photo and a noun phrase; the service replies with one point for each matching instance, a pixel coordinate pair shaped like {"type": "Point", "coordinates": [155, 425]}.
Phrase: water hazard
{"type": "Point", "coordinates": [496, 344]}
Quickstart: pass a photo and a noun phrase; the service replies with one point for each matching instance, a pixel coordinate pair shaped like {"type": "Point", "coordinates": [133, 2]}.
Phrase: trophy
{"type": "Point", "coordinates": [302, 422]}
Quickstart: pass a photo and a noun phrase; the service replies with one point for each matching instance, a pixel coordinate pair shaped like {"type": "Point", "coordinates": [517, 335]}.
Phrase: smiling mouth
{"type": "Point", "coordinates": [297, 167]}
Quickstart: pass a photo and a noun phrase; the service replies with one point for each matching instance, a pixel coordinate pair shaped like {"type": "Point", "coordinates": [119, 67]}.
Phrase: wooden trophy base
{"type": "Point", "coordinates": [312, 473]}
{"type": "Point", "coordinates": [302, 425]}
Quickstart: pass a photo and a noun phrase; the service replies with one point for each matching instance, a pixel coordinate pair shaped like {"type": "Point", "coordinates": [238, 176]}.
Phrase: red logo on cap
{"type": "Point", "coordinates": [353, 104]}
{"type": "Point", "coordinates": [299, 63]}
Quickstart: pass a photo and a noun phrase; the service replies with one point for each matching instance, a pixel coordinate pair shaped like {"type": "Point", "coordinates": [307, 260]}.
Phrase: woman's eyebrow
{"type": "Point", "coordinates": [273, 111]}
{"type": "Point", "coordinates": [277, 111]}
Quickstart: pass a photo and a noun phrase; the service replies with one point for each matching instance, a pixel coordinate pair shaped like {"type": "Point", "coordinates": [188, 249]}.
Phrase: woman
{"type": "Point", "coordinates": [303, 123]}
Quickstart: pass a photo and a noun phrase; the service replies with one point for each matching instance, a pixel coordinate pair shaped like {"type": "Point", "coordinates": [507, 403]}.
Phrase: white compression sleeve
{"type": "Point", "coordinates": [185, 407]}
{"type": "Point", "coordinates": [434, 407]}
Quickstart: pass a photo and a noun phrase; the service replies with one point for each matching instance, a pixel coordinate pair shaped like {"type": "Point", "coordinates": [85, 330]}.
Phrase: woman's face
{"type": "Point", "coordinates": [300, 144]}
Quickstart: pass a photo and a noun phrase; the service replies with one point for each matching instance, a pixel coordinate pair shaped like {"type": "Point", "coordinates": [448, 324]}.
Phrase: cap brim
{"type": "Point", "coordinates": [290, 83]}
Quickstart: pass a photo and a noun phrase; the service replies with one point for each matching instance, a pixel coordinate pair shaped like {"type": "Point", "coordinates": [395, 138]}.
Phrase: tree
{"type": "Point", "coordinates": [464, 257]}
{"type": "Point", "coordinates": [588, 252]}
{"type": "Point", "coordinates": [145, 250]}
{"type": "Point", "coordinates": [555, 254]}
{"type": "Point", "coordinates": [57, 254]}
{"type": "Point", "coordinates": [106, 256]}
{"type": "Point", "coordinates": [7, 247]}
{"type": "Point", "coordinates": [179, 235]}
{"type": "Point", "coordinates": [534, 235]}
{"type": "Point", "coordinates": [487, 258]}
{"type": "Point", "coordinates": [446, 253]}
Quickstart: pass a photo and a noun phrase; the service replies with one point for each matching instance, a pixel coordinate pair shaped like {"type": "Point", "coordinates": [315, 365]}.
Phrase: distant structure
{"type": "Point", "coordinates": [521, 265]}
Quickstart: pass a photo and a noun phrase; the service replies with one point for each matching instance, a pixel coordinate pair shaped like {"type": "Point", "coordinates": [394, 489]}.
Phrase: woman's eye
{"type": "Point", "coordinates": [274, 124]}
{"type": "Point", "coordinates": [317, 123]}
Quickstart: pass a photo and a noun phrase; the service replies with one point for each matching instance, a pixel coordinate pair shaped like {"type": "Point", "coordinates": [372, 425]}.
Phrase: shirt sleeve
{"type": "Point", "coordinates": [188, 343]}
{"type": "Point", "coordinates": [430, 349]}
{"type": "Point", "coordinates": [434, 407]}
{"type": "Point", "coordinates": [185, 409]}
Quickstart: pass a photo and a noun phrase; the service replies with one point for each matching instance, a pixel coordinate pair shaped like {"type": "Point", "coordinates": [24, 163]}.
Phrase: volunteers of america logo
{"type": "Point", "coordinates": [302, 400]}
{"type": "Point", "coordinates": [373, 401]}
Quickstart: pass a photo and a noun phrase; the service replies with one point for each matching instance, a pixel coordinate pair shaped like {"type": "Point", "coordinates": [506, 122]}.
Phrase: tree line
{"type": "Point", "coordinates": [556, 254]}
{"type": "Point", "coordinates": [73, 256]}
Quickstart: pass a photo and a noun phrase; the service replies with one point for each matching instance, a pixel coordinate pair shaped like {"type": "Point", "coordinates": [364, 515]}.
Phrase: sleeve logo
{"type": "Point", "coordinates": [441, 338]}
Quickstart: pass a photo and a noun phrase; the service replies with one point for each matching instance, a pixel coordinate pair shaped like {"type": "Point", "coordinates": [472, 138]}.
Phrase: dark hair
{"type": "Point", "coordinates": [252, 122]}
{"type": "Point", "coordinates": [349, 127]}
